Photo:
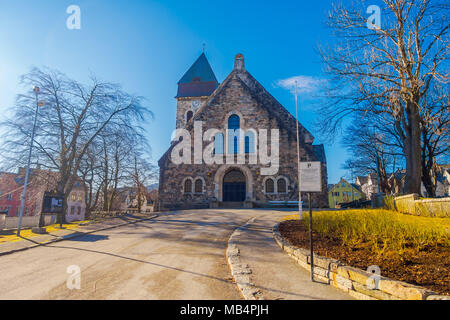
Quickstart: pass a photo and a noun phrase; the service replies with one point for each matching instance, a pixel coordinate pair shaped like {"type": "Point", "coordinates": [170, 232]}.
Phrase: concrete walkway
{"type": "Point", "coordinates": [275, 275]}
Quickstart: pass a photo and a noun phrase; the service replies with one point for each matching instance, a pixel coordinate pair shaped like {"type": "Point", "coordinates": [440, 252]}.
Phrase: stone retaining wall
{"type": "Point", "coordinates": [411, 204]}
{"type": "Point", "coordinates": [355, 282]}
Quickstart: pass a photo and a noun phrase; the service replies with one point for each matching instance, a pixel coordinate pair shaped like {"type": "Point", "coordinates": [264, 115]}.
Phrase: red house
{"type": "Point", "coordinates": [10, 192]}
{"type": "Point", "coordinates": [11, 188]}
{"type": "Point", "coordinates": [40, 181]}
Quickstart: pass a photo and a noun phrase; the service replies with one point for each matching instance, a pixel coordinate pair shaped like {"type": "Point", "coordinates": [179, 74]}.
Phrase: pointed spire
{"type": "Point", "coordinates": [200, 71]}
{"type": "Point", "coordinates": [199, 80]}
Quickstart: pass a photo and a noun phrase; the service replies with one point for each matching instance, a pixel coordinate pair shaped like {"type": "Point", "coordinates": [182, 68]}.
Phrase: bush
{"type": "Point", "coordinates": [389, 203]}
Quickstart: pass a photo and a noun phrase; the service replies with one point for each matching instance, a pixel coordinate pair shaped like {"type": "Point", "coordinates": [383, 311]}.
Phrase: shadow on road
{"type": "Point", "coordinates": [173, 268]}
{"type": "Point", "coordinates": [80, 237]}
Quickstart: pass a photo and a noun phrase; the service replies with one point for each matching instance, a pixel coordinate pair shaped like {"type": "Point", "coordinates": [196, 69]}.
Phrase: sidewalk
{"type": "Point", "coordinates": [11, 243]}
{"type": "Point", "coordinates": [274, 274]}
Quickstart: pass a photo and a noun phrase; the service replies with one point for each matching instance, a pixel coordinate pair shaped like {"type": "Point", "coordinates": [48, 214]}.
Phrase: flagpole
{"type": "Point", "coordinates": [300, 212]}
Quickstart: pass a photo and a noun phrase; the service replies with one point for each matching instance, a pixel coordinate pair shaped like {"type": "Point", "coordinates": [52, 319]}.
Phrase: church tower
{"type": "Point", "coordinates": [197, 84]}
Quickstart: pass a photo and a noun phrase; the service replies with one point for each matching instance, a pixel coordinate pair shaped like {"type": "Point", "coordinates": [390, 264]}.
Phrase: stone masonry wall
{"type": "Point", "coordinates": [185, 104]}
{"type": "Point", "coordinates": [235, 99]}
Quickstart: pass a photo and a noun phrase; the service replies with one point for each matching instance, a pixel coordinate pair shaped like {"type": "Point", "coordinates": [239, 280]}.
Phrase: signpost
{"type": "Point", "coordinates": [53, 204]}
{"type": "Point", "coordinates": [310, 181]}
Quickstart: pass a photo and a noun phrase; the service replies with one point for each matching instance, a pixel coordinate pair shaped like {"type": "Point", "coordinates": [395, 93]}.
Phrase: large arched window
{"type": "Point", "coordinates": [250, 142]}
{"type": "Point", "coordinates": [218, 143]}
{"type": "Point", "coordinates": [234, 124]}
{"type": "Point", "coordinates": [270, 186]}
{"type": "Point", "coordinates": [198, 186]}
{"type": "Point", "coordinates": [281, 185]}
{"type": "Point", "coordinates": [188, 186]}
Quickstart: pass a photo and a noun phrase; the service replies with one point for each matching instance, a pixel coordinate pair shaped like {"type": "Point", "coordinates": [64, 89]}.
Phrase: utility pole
{"type": "Point", "coordinates": [300, 209]}
{"type": "Point", "coordinates": [27, 174]}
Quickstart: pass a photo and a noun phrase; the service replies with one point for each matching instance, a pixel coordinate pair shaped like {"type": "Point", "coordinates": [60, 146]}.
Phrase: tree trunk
{"type": "Point", "coordinates": [428, 165]}
{"type": "Point", "coordinates": [428, 182]}
{"type": "Point", "coordinates": [429, 176]}
{"type": "Point", "coordinates": [413, 151]}
{"type": "Point", "coordinates": [60, 189]}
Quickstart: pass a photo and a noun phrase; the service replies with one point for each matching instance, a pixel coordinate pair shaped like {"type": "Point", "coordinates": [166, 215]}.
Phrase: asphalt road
{"type": "Point", "coordinates": [174, 256]}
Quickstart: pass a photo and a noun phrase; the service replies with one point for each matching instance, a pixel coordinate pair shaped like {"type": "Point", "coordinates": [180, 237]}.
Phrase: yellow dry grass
{"type": "Point", "coordinates": [381, 230]}
{"type": "Point", "coordinates": [27, 233]}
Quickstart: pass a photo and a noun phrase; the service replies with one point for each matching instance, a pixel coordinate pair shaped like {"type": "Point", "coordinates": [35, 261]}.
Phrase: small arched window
{"type": "Point", "coordinates": [188, 186]}
{"type": "Point", "coordinates": [234, 122]}
{"type": "Point", "coordinates": [270, 186]}
{"type": "Point", "coordinates": [189, 115]}
{"type": "Point", "coordinates": [281, 185]}
{"type": "Point", "coordinates": [198, 186]}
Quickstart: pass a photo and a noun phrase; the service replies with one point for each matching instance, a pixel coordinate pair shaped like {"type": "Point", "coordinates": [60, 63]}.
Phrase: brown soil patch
{"type": "Point", "coordinates": [429, 268]}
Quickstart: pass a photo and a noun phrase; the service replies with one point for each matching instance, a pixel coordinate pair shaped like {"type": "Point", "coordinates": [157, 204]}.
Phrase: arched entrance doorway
{"type": "Point", "coordinates": [234, 186]}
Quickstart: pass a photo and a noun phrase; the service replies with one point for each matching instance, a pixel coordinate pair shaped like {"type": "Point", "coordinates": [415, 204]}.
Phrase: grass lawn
{"type": "Point", "coordinates": [407, 248]}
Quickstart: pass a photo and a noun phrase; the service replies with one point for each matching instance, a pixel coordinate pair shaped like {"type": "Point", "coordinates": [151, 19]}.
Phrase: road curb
{"type": "Point", "coordinates": [74, 235]}
{"type": "Point", "coordinates": [240, 271]}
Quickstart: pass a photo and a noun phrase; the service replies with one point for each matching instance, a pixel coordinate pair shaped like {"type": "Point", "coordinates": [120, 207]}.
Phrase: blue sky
{"type": "Point", "coordinates": [148, 45]}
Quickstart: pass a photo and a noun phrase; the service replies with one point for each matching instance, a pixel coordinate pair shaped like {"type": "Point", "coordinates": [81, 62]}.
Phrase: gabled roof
{"type": "Point", "coordinates": [362, 179]}
{"type": "Point", "coordinates": [266, 100]}
{"type": "Point", "coordinates": [337, 185]}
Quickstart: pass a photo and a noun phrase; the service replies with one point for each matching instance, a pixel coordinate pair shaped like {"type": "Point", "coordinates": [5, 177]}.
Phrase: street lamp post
{"type": "Point", "coordinates": [27, 174]}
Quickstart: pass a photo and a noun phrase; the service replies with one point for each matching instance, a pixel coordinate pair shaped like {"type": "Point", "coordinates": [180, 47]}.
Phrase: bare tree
{"type": "Point", "coordinates": [141, 174]}
{"type": "Point", "coordinates": [435, 137]}
{"type": "Point", "coordinates": [370, 150]}
{"type": "Point", "coordinates": [119, 148]}
{"type": "Point", "coordinates": [387, 70]}
{"type": "Point", "coordinates": [72, 119]}
{"type": "Point", "coordinates": [88, 173]}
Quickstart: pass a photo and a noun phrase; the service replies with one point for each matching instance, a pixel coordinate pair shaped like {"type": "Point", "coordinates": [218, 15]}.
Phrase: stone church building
{"type": "Point", "coordinates": [239, 103]}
